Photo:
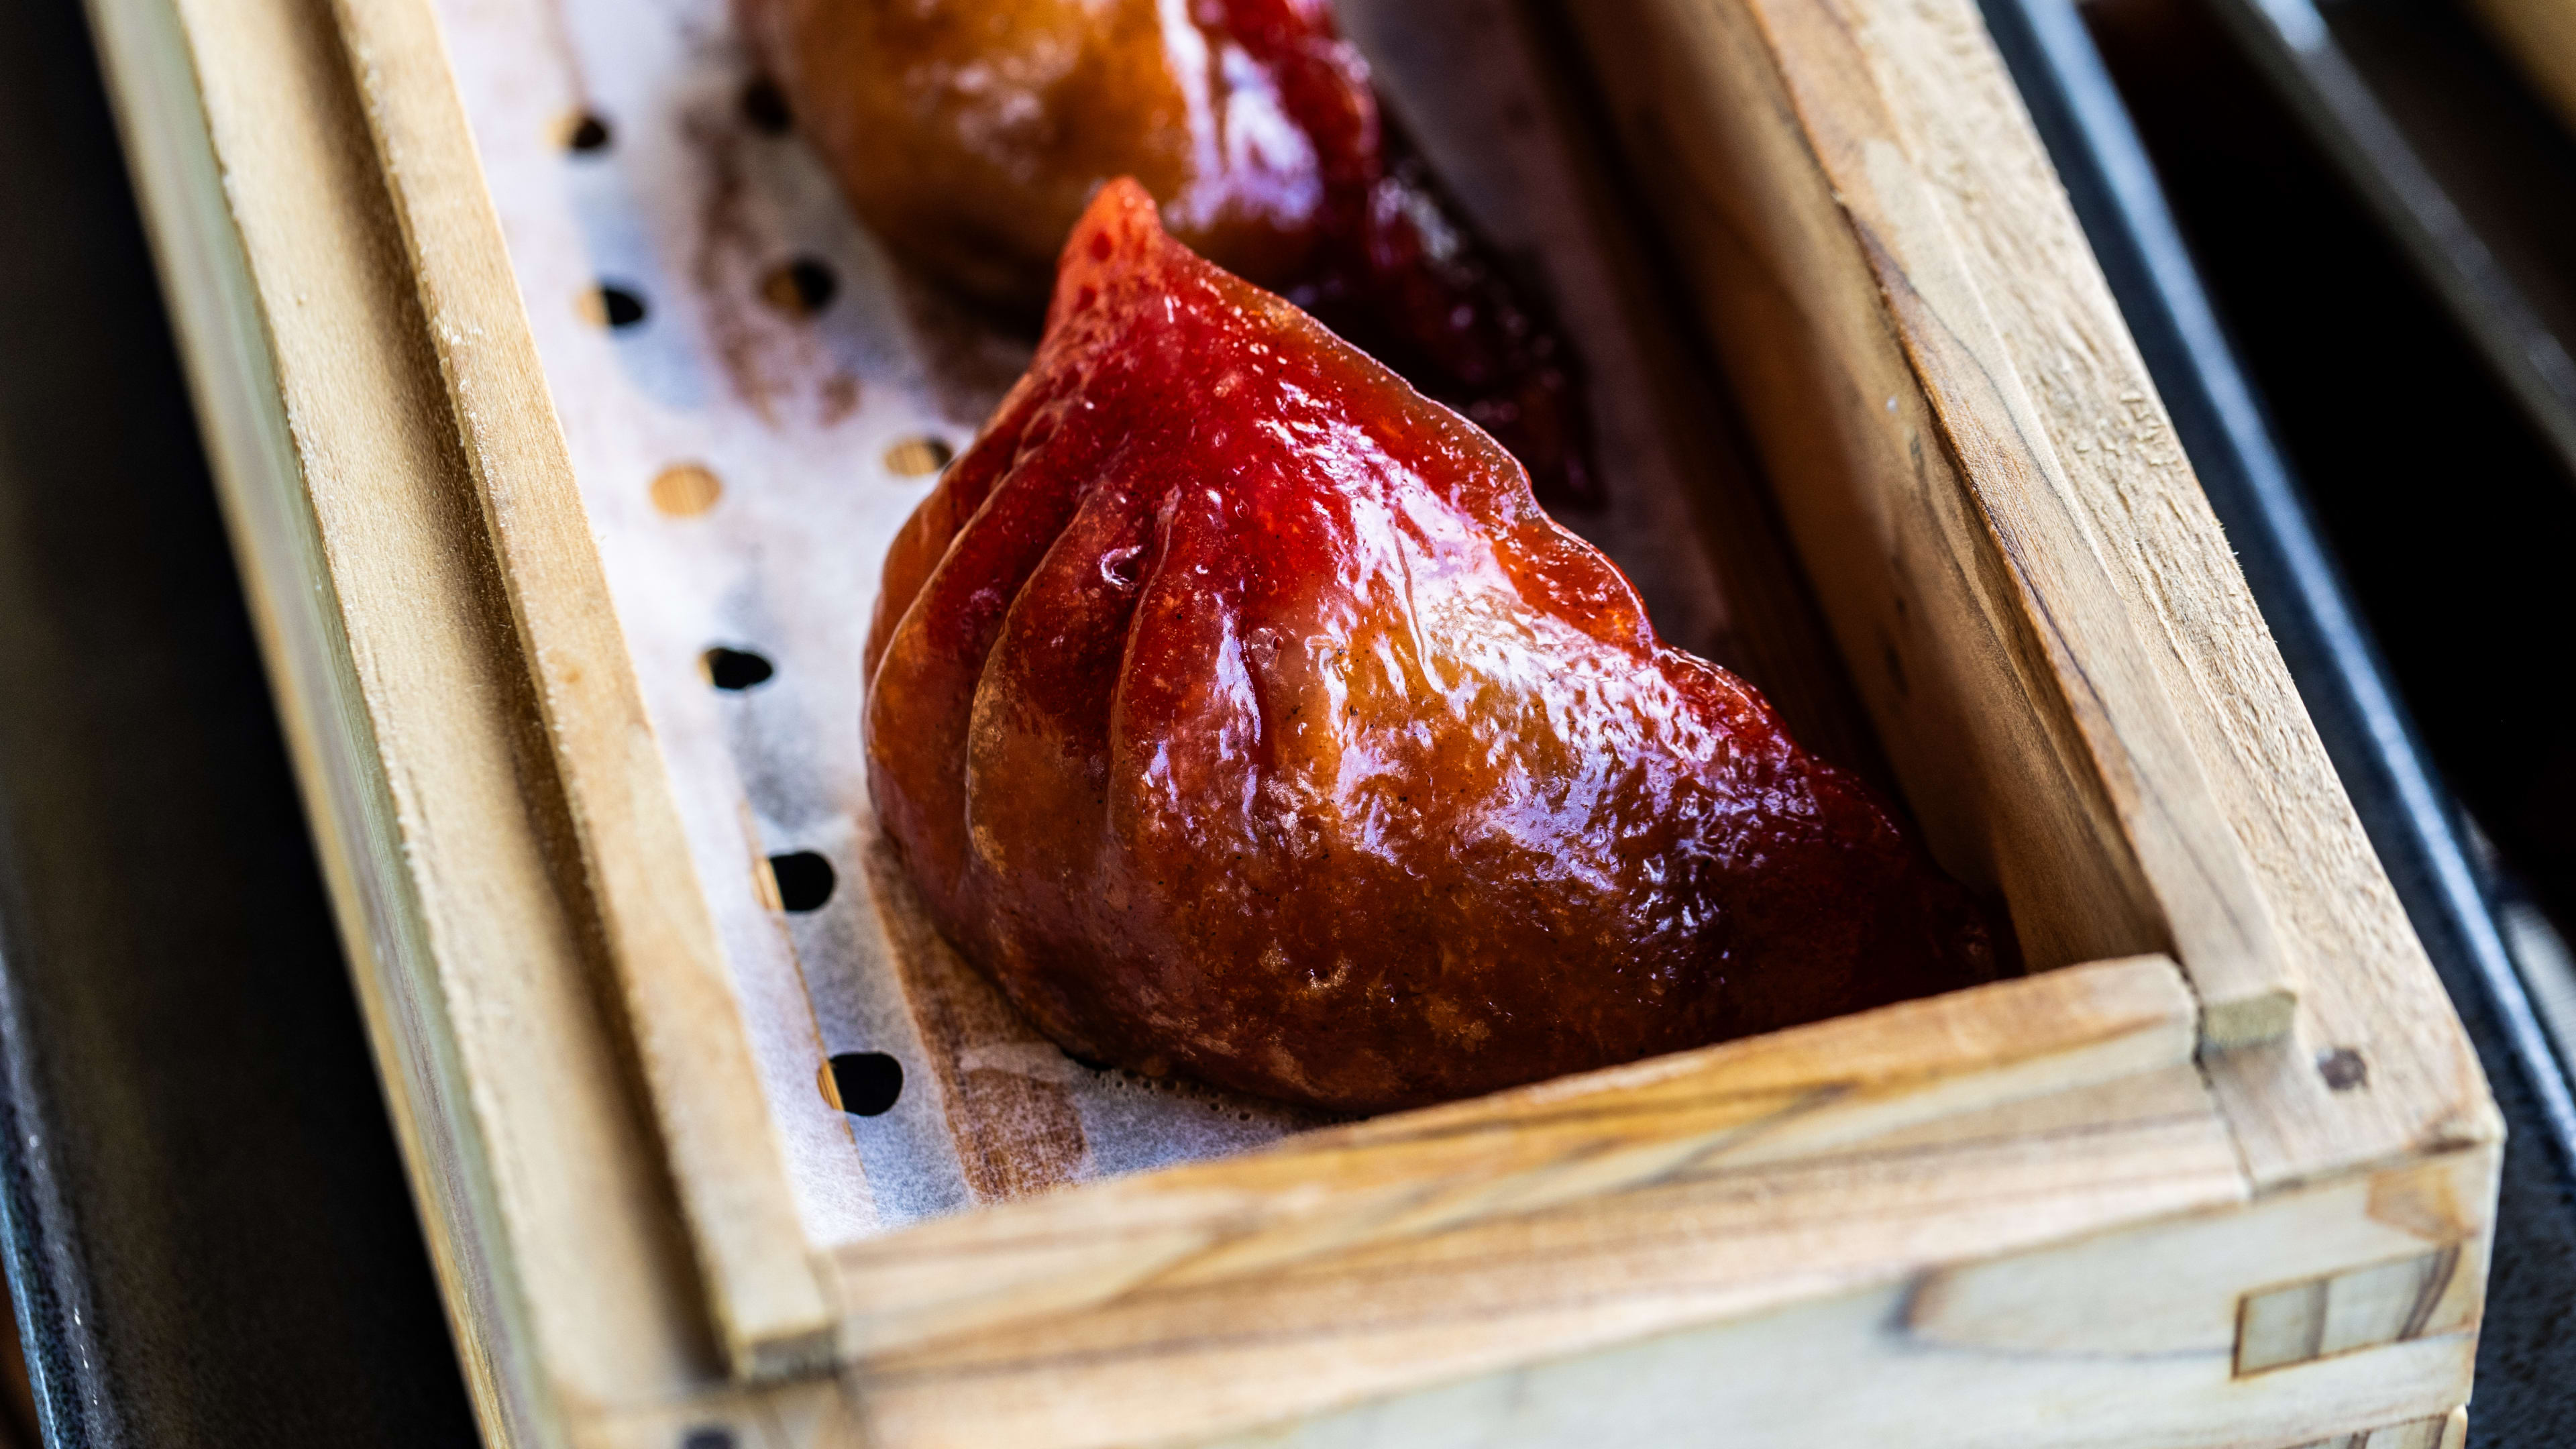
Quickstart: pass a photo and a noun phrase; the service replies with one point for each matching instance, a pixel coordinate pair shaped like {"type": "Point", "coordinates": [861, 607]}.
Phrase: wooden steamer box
{"type": "Point", "coordinates": [2219, 1170]}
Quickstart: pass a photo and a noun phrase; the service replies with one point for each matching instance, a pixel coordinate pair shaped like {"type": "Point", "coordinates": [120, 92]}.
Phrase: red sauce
{"type": "Point", "coordinates": [1241, 713]}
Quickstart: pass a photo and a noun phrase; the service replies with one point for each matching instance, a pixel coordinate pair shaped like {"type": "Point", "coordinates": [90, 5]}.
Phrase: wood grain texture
{"type": "Point", "coordinates": [2346, 1312]}
{"type": "Point", "coordinates": [406, 705]}
{"type": "Point", "coordinates": [1593, 1145]}
{"type": "Point", "coordinates": [1979, 474]}
{"type": "Point", "coordinates": [651, 914]}
{"type": "Point", "coordinates": [1963, 578]}
{"type": "Point", "coordinates": [2443, 1431]}
{"type": "Point", "coordinates": [2367, 986]}
{"type": "Point", "coordinates": [1429, 1246]}
{"type": "Point", "coordinates": [2122, 1340]}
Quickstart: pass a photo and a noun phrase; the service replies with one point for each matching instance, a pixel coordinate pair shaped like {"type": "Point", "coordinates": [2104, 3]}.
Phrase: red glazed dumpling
{"type": "Point", "coordinates": [1239, 713]}
{"type": "Point", "coordinates": [970, 133]}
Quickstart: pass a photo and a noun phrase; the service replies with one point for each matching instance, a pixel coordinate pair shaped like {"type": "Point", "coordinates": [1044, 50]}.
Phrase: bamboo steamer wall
{"type": "Point", "coordinates": [2240, 1200]}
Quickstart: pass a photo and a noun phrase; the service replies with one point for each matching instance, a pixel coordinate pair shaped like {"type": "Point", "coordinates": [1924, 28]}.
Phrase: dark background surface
{"type": "Point", "coordinates": [2455, 526]}
{"type": "Point", "coordinates": [2453, 531]}
{"type": "Point", "coordinates": [205, 1215]}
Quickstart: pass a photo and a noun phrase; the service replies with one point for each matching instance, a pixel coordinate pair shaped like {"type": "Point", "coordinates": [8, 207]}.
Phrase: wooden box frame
{"type": "Point", "coordinates": [2245, 1199]}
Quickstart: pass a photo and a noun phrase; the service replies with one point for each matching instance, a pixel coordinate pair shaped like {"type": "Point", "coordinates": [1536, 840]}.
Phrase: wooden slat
{"type": "Point", "coordinates": [678, 996]}
{"type": "Point", "coordinates": [2072, 679]}
{"type": "Point", "coordinates": [2367, 987]}
{"type": "Point", "coordinates": [1420, 1247]}
{"type": "Point", "coordinates": [1577, 1144]}
{"type": "Point", "coordinates": [407, 711]}
{"type": "Point", "coordinates": [1964, 579]}
{"type": "Point", "coordinates": [2122, 1341]}
{"type": "Point", "coordinates": [2126, 1339]}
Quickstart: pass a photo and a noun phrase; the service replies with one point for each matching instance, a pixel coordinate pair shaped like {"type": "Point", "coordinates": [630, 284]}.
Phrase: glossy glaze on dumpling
{"type": "Point", "coordinates": [970, 133]}
{"type": "Point", "coordinates": [1240, 713]}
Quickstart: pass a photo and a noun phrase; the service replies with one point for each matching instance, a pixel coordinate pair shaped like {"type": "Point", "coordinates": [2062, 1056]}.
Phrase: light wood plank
{"type": "Point", "coordinates": [1576, 1144]}
{"type": "Point", "coordinates": [2120, 1341]}
{"type": "Point", "coordinates": [2368, 987]}
{"type": "Point", "coordinates": [651, 913]}
{"type": "Point", "coordinates": [258, 459]}
{"type": "Point", "coordinates": [2344, 1312]}
{"type": "Point", "coordinates": [1963, 578]}
{"type": "Point", "coordinates": [406, 704]}
{"type": "Point", "coordinates": [1435, 1245]}
{"type": "Point", "coordinates": [2060, 650]}
{"type": "Point", "coordinates": [2125, 1341]}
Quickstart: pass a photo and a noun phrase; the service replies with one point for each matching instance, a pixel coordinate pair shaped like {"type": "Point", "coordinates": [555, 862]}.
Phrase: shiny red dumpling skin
{"type": "Point", "coordinates": [970, 134]}
{"type": "Point", "coordinates": [1239, 713]}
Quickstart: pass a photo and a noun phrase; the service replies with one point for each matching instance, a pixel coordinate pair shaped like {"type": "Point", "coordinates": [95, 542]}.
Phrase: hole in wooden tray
{"type": "Point", "coordinates": [735, 669]}
{"type": "Point", "coordinates": [863, 1084]}
{"type": "Point", "coordinates": [707, 1438]}
{"type": "Point", "coordinates": [2343, 1068]}
{"type": "Point", "coordinates": [685, 490]}
{"type": "Point", "coordinates": [800, 287]}
{"type": "Point", "coordinates": [610, 305]}
{"type": "Point", "coordinates": [764, 105]}
{"type": "Point", "coordinates": [583, 132]}
{"type": "Point", "coordinates": [918, 457]}
{"type": "Point", "coordinates": [805, 880]}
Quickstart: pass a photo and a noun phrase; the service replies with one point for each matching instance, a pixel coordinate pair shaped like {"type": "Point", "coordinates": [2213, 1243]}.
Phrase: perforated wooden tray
{"type": "Point", "coordinates": [2244, 1199]}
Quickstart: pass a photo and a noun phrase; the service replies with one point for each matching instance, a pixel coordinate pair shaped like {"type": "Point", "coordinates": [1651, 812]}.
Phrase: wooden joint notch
{"type": "Point", "coordinates": [2346, 1312]}
{"type": "Point", "coordinates": [2263, 1012]}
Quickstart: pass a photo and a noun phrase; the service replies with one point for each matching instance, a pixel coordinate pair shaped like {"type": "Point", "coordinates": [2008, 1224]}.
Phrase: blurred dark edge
{"type": "Point", "coordinates": [207, 1227]}
{"type": "Point", "coordinates": [2284, 247]}
{"type": "Point", "coordinates": [2456, 159]}
{"type": "Point", "coordinates": [205, 1219]}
